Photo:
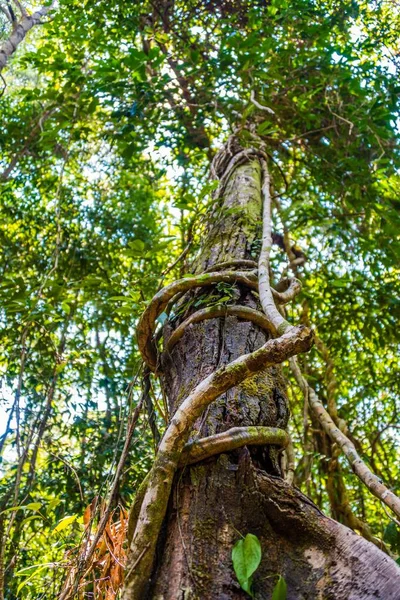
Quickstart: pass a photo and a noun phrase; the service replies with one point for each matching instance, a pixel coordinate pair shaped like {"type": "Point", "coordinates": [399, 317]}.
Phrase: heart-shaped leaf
{"type": "Point", "coordinates": [246, 556]}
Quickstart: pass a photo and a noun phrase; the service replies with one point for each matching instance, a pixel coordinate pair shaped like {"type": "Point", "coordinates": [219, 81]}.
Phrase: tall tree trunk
{"type": "Point", "coordinates": [217, 500]}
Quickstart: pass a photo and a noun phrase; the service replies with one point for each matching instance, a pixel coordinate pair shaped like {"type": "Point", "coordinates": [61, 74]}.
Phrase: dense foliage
{"type": "Point", "coordinates": [111, 113]}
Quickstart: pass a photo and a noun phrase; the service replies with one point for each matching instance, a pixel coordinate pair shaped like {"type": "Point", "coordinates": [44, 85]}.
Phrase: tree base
{"type": "Point", "coordinates": [214, 502]}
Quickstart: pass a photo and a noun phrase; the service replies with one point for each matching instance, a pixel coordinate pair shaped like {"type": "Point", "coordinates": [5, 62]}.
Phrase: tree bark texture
{"type": "Point", "coordinates": [215, 501]}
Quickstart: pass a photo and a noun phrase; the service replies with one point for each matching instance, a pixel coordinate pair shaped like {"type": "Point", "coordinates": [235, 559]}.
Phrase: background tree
{"type": "Point", "coordinates": [111, 115]}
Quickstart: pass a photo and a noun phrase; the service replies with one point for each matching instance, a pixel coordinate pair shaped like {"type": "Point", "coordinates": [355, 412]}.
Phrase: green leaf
{"type": "Point", "coordinates": [53, 503]}
{"type": "Point", "coordinates": [246, 557]}
{"type": "Point", "coordinates": [31, 518]}
{"type": "Point", "coordinates": [33, 505]}
{"type": "Point", "coordinates": [30, 506]}
{"type": "Point", "coordinates": [66, 307]}
{"type": "Point", "coordinates": [23, 583]}
{"type": "Point", "coordinates": [392, 536]}
{"type": "Point", "coordinates": [65, 522]}
{"type": "Point", "coordinates": [136, 248]}
{"type": "Point", "coordinates": [280, 589]}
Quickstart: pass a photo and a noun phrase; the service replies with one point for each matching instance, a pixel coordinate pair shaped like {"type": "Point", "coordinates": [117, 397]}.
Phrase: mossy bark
{"type": "Point", "coordinates": [215, 501]}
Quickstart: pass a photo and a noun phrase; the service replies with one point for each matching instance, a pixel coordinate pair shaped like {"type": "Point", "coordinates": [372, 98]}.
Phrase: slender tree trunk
{"type": "Point", "coordinates": [215, 501]}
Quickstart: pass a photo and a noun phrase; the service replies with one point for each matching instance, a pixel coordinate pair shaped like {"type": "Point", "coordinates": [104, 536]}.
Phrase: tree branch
{"type": "Point", "coordinates": [24, 25]}
{"type": "Point", "coordinates": [373, 483]}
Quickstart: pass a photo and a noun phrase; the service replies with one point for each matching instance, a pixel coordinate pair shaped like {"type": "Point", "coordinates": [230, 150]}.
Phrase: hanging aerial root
{"type": "Point", "coordinates": [158, 304]}
{"type": "Point", "coordinates": [242, 312]}
{"type": "Point", "coordinates": [373, 483]}
{"type": "Point", "coordinates": [264, 284]}
{"type": "Point", "coordinates": [297, 339]}
{"type": "Point", "coordinates": [291, 287]}
{"type": "Point", "coordinates": [239, 263]}
{"type": "Point", "coordinates": [290, 462]}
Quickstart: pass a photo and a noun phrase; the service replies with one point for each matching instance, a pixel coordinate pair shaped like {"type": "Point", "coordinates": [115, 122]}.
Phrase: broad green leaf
{"type": "Point", "coordinates": [136, 247]}
{"type": "Point", "coordinates": [54, 502]}
{"type": "Point", "coordinates": [30, 506]}
{"type": "Point", "coordinates": [65, 522]}
{"type": "Point", "coordinates": [246, 557]}
{"type": "Point", "coordinates": [33, 505]}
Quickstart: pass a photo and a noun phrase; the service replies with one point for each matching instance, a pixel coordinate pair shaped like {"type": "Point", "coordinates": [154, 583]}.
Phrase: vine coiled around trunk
{"type": "Point", "coordinates": [287, 341]}
{"type": "Point", "coordinates": [148, 321]}
{"type": "Point", "coordinates": [151, 501]}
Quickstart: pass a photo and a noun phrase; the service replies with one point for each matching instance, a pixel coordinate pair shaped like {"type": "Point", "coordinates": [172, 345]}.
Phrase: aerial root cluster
{"type": "Point", "coordinates": [286, 341]}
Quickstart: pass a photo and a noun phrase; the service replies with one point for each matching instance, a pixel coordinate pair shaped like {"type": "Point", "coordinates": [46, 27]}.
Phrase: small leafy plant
{"type": "Point", "coordinates": [246, 558]}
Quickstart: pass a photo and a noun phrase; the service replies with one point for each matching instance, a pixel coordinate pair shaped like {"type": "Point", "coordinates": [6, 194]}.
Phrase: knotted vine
{"type": "Point", "coordinates": [286, 341]}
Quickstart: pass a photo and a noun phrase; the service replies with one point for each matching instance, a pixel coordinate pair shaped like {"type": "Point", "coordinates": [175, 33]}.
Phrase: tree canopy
{"type": "Point", "coordinates": [110, 115]}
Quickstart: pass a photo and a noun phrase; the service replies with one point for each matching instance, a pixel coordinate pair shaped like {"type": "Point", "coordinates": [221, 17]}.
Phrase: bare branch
{"type": "Point", "coordinates": [258, 105]}
{"type": "Point", "coordinates": [21, 8]}
{"type": "Point", "coordinates": [6, 11]}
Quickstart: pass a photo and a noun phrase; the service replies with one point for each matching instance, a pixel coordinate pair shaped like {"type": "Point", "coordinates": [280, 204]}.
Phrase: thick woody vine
{"type": "Point", "coordinates": [285, 343]}
{"type": "Point", "coordinates": [173, 451]}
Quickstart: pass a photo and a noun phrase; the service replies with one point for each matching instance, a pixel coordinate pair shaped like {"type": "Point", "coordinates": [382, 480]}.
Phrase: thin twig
{"type": "Point", "coordinates": [104, 519]}
{"type": "Point", "coordinates": [258, 105]}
